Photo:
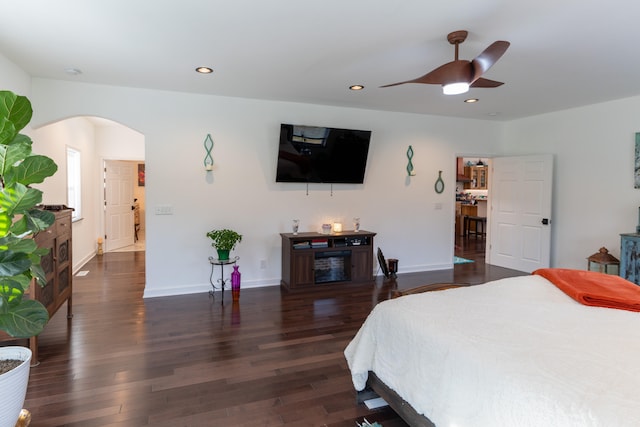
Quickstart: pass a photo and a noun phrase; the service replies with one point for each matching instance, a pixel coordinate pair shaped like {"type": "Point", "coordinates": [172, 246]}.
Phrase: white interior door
{"type": "Point", "coordinates": [520, 212]}
{"type": "Point", "coordinates": [119, 227]}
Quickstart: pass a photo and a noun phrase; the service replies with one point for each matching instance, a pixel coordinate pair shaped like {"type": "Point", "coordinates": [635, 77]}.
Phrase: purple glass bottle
{"type": "Point", "coordinates": [235, 283]}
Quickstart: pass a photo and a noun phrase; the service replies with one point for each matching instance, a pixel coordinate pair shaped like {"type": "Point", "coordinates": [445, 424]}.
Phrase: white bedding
{"type": "Point", "coordinates": [514, 352]}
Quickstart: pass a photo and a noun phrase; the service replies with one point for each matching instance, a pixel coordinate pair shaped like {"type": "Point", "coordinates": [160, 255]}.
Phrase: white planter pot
{"type": "Point", "coordinates": [13, 385]}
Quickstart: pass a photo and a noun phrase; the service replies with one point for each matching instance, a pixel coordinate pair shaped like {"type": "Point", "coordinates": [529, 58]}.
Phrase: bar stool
{"type": "Point", "coordinates": [479, 223]}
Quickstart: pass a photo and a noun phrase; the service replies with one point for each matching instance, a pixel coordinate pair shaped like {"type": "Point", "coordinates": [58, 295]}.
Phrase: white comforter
{"type": "Point", "coordinates": [514, 352]}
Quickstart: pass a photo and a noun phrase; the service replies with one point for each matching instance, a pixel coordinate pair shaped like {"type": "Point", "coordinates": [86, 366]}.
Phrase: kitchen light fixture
{"type": "Point", "coordinates": [455, 88]}
{"type": "Point", "coordinates": [204, 70]}
{"type": "Point", "coordinates": [356, 87]}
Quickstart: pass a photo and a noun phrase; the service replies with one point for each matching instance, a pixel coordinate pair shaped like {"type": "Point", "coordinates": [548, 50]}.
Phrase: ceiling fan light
{"type": "Point", "coordinates": [455, 88]}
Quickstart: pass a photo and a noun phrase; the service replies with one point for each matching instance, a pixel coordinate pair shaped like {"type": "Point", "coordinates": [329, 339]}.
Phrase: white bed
{"type": "Point", "coordinates": [513, 352]}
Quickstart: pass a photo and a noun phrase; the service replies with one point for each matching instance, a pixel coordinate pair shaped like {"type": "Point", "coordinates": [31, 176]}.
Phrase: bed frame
{"type": "Point", "coordinates": [428, 288]}
{"type": "Point", "coordinates": [377, 388]}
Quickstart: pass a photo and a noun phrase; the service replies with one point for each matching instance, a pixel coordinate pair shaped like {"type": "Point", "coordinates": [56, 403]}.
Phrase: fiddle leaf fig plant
{"type": "Point", "coordinates": [20, 220]}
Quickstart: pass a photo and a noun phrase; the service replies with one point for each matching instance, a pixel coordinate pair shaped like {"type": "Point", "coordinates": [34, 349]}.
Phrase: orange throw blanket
{"type": "Point", "coordinates": [593, 288]}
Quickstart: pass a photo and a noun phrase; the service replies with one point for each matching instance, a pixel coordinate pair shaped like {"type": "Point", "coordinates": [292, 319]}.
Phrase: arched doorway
{"type": "Point", "coordinates": [97, 140]}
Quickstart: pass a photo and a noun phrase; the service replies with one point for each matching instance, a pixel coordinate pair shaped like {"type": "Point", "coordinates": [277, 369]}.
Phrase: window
{"type": "Point", "coordinates": [74, 179]}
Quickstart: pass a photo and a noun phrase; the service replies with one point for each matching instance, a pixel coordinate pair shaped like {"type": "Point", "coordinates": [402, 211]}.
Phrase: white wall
{"type": "Point", "coordinates": [594, 199]}
{"type": "Point", "coordinates": [241, 191]}
{"type": "Point", "coordinates": [115, 142]}
{"type": "Point", "coordinates": [13, 78]}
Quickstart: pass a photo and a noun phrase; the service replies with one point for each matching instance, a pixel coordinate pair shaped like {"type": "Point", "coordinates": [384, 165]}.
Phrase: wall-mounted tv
{"type": "Point", "coordinates": [322, 154]}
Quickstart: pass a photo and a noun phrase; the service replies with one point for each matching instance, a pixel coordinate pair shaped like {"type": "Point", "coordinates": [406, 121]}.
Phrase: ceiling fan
{"type": "Point", "coordinates": [458, 75]}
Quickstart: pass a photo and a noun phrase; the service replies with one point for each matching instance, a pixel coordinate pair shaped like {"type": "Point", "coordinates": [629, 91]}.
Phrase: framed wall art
{"type": "Point", "coordinates": [140, 174]}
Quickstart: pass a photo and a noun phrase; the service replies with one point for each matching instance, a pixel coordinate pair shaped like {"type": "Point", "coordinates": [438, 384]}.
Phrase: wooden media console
{"type": "Point", "coordinates": [316, 259]}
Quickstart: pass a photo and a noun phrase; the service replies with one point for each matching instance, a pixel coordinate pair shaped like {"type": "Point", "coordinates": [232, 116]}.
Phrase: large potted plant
{"type": "Point", "coordinates": [20, 256]}
{"type": "Point", "coordinates": [224, 240]}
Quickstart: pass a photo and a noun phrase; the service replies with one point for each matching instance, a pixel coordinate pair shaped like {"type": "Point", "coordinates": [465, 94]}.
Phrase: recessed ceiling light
{"type": "Point", "coordinates": [356, 87]}
{"type": "Point", "coordinates": [73, 71]}
{"type": "Point", "coordinates": [471, 100]}
{"type": "Point", "coordinates": [204, 70]}
{"type": "Point", "coordinates": [493, 114]}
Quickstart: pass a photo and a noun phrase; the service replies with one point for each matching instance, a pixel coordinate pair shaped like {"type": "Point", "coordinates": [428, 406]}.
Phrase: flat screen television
{"type": "Point", "coordinates": [322, 154]}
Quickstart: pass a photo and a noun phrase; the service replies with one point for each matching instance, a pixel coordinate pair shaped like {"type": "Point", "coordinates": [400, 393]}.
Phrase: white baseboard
{"type": "Point", "coordinates": [79, 264]}
{"type": "Point", "coordinates": [203, 287]}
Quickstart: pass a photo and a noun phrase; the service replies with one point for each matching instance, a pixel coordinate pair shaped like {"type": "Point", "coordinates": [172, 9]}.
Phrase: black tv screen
{"type": "Point", "coordinates": [322, 154]}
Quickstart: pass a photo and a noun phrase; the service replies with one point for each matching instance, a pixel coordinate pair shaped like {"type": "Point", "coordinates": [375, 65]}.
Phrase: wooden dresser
{"type": "Point", "coordinates": [58, 268]}
{"type": "Point", "coordinates": [57, 265]}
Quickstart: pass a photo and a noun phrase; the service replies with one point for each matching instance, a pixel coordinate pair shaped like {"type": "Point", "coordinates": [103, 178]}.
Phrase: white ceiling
{"type": "Point", "coordinates": [564, 53]}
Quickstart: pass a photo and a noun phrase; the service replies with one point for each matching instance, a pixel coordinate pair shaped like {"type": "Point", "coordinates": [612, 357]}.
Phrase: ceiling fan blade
{"type": "Point", "coordinates": [482, 82]}
{"type": "Point", "coordinates": [454, 71]}
{"type": "Point", "coordinates": [399, 83]}
{"type": "Point", "coordinates": [487, 58]}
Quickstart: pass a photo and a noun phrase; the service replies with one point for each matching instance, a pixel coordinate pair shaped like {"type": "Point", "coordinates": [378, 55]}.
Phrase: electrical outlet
{"type": "Point", "coordinates": [437, 206]}
{"type": "Point", "coordinates": [263, 264]}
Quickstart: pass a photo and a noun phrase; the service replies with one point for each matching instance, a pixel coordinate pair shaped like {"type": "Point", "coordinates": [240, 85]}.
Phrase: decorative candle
{"type": "Point", "coordinates": [337, 227]}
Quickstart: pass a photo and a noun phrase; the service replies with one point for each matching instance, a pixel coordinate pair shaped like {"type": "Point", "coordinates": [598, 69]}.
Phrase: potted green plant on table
{"type": "Point", "coordinates": [20, 256]}
{"type": "Point", "coordinates": [224, 240]}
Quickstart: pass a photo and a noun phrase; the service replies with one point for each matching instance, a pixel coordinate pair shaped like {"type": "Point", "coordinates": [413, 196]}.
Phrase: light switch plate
{"type": "Point", "coordinates": [164, 210]}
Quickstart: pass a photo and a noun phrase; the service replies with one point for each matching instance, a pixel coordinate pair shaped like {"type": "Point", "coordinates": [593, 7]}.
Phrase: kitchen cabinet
{"type": "Point", "coordinates": [463, 210]}
{"type": "Point", "coordinates": [478, 176]}
{"type": "Point", "coordinates": [460, 172]}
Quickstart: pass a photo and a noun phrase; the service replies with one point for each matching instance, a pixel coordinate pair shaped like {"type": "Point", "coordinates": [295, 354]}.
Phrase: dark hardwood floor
{"type": "Point", "coordinates": [273, 359]}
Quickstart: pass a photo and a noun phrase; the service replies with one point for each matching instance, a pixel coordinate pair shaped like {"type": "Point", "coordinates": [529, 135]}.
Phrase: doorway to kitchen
{"type": "Point", "coordinates": [472, 196]}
